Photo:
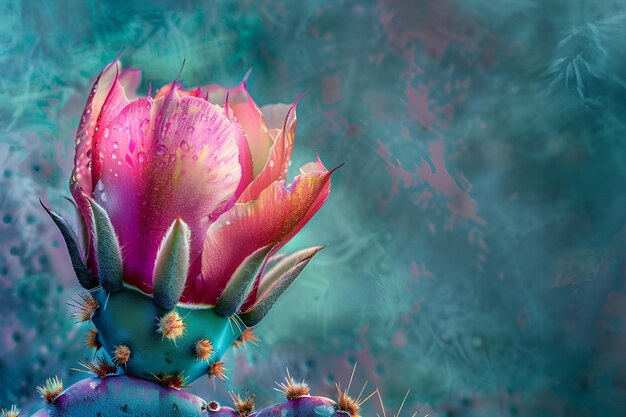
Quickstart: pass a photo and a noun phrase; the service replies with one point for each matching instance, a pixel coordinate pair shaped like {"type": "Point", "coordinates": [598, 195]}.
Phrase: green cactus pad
{"type": "Point", "coordinates": [129, 317]}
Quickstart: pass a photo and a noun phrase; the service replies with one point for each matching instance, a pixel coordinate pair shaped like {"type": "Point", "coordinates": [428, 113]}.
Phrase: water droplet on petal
{"type": "Point", "coordinates": [161, 151]}
{"type": "Point", "coordinates": [271, 163]}
{"type": "Point", "coordinates": [106, 132]}
{"type": "Point", "coordinates": [184, 145]}
{"type": "Point", "coordinates": [114, 155]}
{"type": "Point", "coordinates": [103, 197]}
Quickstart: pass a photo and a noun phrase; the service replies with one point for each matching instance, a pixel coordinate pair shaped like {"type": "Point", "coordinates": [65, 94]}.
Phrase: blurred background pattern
{"type": "Point", "coordinates": [476, 237]}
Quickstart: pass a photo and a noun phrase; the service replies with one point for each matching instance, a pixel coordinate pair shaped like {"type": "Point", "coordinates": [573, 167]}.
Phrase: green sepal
{"type": "Point", "coordinates": [83, 236]}
{"type": "Point", "coordinates": [280, 278]}
{"type": "Point", "coordinates": [108, 251]}
{"type": "Point", "coordinates": [240, 284]}
{"type": "Point", "coordinates": [86, 279]}
{"type": "Point", "coordinates": [171, 265]}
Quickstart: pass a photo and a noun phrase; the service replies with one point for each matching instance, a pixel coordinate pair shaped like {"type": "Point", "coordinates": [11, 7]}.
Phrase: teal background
{"type": "Point", "coordinates": [475, 237]}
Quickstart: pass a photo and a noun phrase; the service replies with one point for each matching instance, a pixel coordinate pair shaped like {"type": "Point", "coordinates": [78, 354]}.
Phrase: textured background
{"type": "Point", "coordinates": [476, 236]}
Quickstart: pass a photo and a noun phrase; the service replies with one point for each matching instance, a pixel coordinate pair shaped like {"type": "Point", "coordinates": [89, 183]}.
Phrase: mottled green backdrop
{"type": "Point", "coordinates": [476, 237]}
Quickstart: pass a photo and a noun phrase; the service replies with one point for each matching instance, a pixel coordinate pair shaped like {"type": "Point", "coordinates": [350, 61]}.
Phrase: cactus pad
{"type": "Point", "coordinates": [131, 319]}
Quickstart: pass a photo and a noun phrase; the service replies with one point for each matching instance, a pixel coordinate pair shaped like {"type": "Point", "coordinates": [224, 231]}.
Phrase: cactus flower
{"type": "Point", "coordinates": [205, 163]}
{"type": "Point", "coordinates": [185, 202]}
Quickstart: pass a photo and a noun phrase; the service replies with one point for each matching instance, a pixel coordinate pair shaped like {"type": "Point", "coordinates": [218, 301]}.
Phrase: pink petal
{"type": "Point", "coordinates": [249, 117]}
{"type": "Point", "coordinates": [130, 80]}
{"type": "Point", "coordinates": [278, 160]}
{"type": "Point", "coordinates": [260, 134]}
{"type": "Point", "coordinates": [275, 217]}
{"type": "Point", "coordinates": [104, 103]}
{"type": "Point", "coordinates": [174, 157]}
{"type": "Point", "coordinates": [245, 158]}
{"type": "Point", "coordinates": [85, 141]}
{"type": "Point", "coordinates": [245, 161]}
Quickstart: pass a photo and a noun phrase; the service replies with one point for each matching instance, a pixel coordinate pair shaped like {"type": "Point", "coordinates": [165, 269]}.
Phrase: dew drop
{"type": "Point", "coordinates": [114, 155]}
{"type": "Point", "coordinates": [103, 197]}
{"type": "Point", "coordinates": [271, 163]}
{"type": "Point", "coordinates": [184, 145]}
{"type": "Point", "coordinates": [106, 132]}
